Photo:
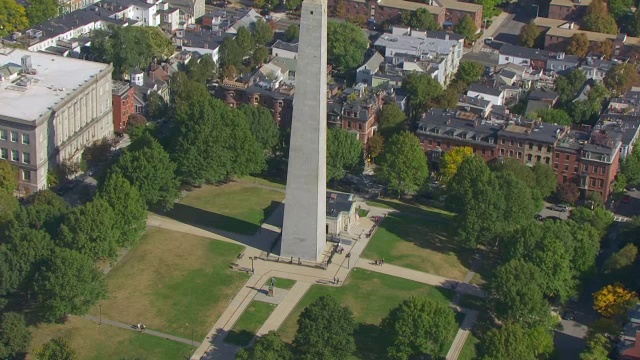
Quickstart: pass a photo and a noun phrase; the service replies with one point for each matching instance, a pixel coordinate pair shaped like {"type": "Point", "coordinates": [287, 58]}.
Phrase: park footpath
{"type": "Point", "coordinates": [214, 347]}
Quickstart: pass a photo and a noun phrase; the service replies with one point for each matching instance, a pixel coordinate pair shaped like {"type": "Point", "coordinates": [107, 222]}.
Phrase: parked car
{"type": "Point", "coordinates": [488, 40]}
{"type": "Point", "coordinates": [560, 208]}
{"type": "Point", "coordinates": [568, 314]}
{"type": "Point", "coordinates": [626, 199]}
{"type": "Point", "coordinates": [539, 217]}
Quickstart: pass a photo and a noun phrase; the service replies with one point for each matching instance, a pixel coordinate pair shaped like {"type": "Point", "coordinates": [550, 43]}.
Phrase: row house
{"type": "Point", "coordinates": [590, 160]}
{"type": "Point", "coordinates": [445, 12]}
{"type": "Point", "coordinates": [356, 111]}
{"type": "Point", "coordinates": [568, 9]}
{"type": "Point", "coordinates": [123, 104]}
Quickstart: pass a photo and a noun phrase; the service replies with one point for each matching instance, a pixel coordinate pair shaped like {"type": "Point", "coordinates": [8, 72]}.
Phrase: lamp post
{"type": "Point", "coordinates": [100, 314]}
{"type": "Point", "coordinates": [252, 269]}
{"type": "Point", "coordinates": [537, 10]}
{"type": "Point", "coordinates": [348, 260]}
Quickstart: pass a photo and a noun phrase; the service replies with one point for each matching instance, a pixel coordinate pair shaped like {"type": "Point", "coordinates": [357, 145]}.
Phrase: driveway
{"type": "Point", "coordinates": [631, 208]}
{"type": "Point", "coordinates": [547, 212]}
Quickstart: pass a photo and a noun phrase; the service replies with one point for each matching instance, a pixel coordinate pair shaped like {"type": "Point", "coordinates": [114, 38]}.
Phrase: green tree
{"type": "Point", "coordinates": [292, 33]}
{"type": "Point", "coordinates": [620, 8]}
{"type": "Point", "coordinates": [584, 247]}
{"type": "Point", "coordinates": [156, 106]}
{"type": "Point", "coordinates": [475, 196]}
{"type": "Point", "coordinates": [260, 56]}
{"type": "Point", "coordinates": [515, 294]}
{"type": "Point", "coordinates": [202, 69]}
{"type": "Point", "coordinates": [293, 5]}
{"type": "Point", "coordinates": [130, 210]}
{"type": "Point", "coordinates": [418, 326]}
{"type": "Point", "coordinates": [14, 336]}
{"type": "Point", "coordinates": [469, 72]}
{"type": "Point", "coordinates": [8, 177]}
{"type": "Point", "coordinates": [567, 86]}
{"type": "Point", "coordinates": [142, 44]}
{"type": "Point", "coordinates": [422, 90]}
{"type": "Point", "coordinates": [513, 341]}
{"type": "Point", "coordinates": [621, 78]}
{"type": "Point", "coordinates": [325, 331]}
{"type": "Point", "coordinates": [599, 218]}
{"type": "Point", "coordinates": [529, 34]}
{"type": "Point", "coordinates": [40, 11]}
{"type": "Point", "coordinates": [375, 145]}
{"type": "Point", "coordinates": [57, 348]}
{"type": "Point", "coordinates": [344, 153]}
{"type": "Point", "coordinates": [263, 127]}
{"type": "Point", "coordinates": [630, 168]}
{"type": "Point", "coordinates": [579, 45]}
{"type": "Point", "coordinates": [403, 165]}
{"type": "Point", "coordinates": [91, 230]}
{"type": "Point", "coordinates": [420, 19]}
{"type": "Point", "coordinates": [467, 27]}
{"type": "Point", "coordinates": [148, 167]}
{"type": "Point", "coordinates": [621, 259]}
{"type": "Point", "coordinates": [13, 17]}
{"type": "Point", "coordinates": [489, 7]}
{"type": "Point", "coordinates": [392, 120]}
{"type": "Point", "coordinates": [567, 193]}
{"type": "Point", "coordinates": [346, 46]}
{"type": "Point", "coordinates": [213, 142]}
{"type": "Point", "coordinates": [598, 19]}
{"type": "Point", "coordinates": [8, 206]}
{"type": "Point", "coordinates": [553, 116]}
{"type": "Point", "coordinates": [262, 32]}
{"type": "Point", "coordinates": [245, 40]}
{"type": "Point", "coordinates": [518, 200]}
{"type": "Point", "coordinates": [267, 347]}
{"type": "Point", "coordinates": [597, 348]}
{"type": "Point", "coordinates": [231, 53]}
{"type": "Point", "coordinates": [68, 283]}
{"type": "Point", "coordinates": [23, 249]}
{"type": "Point", "coordinates": [605, 48]}
{"type": "Point", "coordinates": [45, 210]}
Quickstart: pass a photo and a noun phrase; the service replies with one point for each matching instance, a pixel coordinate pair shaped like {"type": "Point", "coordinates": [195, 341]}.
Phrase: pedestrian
{"type": "Point", "coordinates": [334, 279]}
{"type": "Point", "coordinates": [382, 262]}
{"type": "Point", "coordinates": [338, 282]}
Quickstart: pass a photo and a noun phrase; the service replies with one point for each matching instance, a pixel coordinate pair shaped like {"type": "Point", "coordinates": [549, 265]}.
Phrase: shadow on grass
{"type": "Point", "coordinates": [240, 338]}
{"type": "Point", "coordinates": [370, 342]}
{"type": "Point", "coordinates": [233, 228]}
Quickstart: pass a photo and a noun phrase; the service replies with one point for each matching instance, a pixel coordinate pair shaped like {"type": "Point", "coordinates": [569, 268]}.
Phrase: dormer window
{"type": "Point", "coordinates": [587, 155]}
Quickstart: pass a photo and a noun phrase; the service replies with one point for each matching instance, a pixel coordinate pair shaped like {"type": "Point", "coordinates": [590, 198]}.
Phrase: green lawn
{"type": "Point", "coordinates": [363, 213]}
{"type": "Point", "coordinates": [261, 181]}
{"type": "Point", "coordinates": [249, 323]}
{"type": "Point", "coordinates": [469, 349]}
{"type": "Point", "coordinates": [408, 207]}
{"type": "Point", "coordinates": [94, 342]}
{"type": "Point", "coordinates": [370, 296]}
{"type": "Point", "coordinates": [173, 282]}
{"type": "Point", "coordinates": [419, 242]}
{"type": "Point", "coordinates": [281, 283]}
{"type": "Point", "coordinates": [236, 207]}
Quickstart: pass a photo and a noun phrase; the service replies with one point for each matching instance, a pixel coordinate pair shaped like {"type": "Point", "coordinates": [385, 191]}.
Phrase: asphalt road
{"type": "Point", "coordinates": [547, 212]}
{"type": "Point", "coordinates": [631, 208]}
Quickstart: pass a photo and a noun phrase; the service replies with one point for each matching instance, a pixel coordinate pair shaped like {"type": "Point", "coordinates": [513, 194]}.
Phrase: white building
{"type": "Point", "coordinates": [51, 107]}
{"type": "Point", "coordinates": [494, 95]}
{"type": "Point", "coordinates": [435, 52]}
{"type": "Point", "coordinates": [284, 50]}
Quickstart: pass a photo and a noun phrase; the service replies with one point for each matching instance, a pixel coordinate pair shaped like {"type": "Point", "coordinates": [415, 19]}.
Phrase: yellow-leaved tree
{"type": "Point", "coordinates": [452, 160]}
{"type": "Point", "coordinates": [613, 300]}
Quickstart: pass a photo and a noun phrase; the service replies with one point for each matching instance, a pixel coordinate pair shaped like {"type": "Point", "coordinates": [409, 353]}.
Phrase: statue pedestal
{"type": "Point", "coordinates": [270, 294]}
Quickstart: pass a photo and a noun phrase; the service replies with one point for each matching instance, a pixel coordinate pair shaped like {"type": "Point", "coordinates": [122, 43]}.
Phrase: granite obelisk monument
{"type": "Point", "coordinates": [304, 224]}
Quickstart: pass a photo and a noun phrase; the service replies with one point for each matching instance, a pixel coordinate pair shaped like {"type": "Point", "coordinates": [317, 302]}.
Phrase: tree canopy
{"type": "Point", "coordinates": [579, 45]}
{"type": "Point", "coordinates": [420, 19]}
{"type": "Point", "coordinates": [568, 85]}
{"type": "Point", "coordinates": [513, 341]}
{"type": "Point", "coordinates": [452, 160]}
{"type": "Point", "coordinates": [8, 177]}
{"type": "Point", "coordinates": [13, 17]}
{"type": "Point", "coordinates": [553, 116]}
{"type": "Point", "coordinates": [147, 166]}
{"type": "Point", "coordinates": [418, 326]}
{"type": "Point", "coordinates": [68, 283]}
{"type": "Point", "coordinates": [344, 153]}
{"type": "Point", "coordinates": [529, 34]}
{"type": "Point", "coordinates": [621, 78]}
{"type": "Point", "coordinates": [57, 348]}
{"type": "Point", "coordinates": [292, 33]}
{"type": "Point", "coordinates": [325, 331]}
{"type": "Point", "coordinates": [598, 347]}
{"type": "Point", "coordinates": [14, 336]}
{"type": "Point", "coordinates": [422, 90]}
{"type": "Point", "coordinates": [346, 46]}
{"type": "Point", "coordinates": [467, 27]}
{"type": "Point", "coordinates": [129, 208]}
{"type": "Point", "coordinates": [598, 19]}
{"type": "Point", "coordinates": [267, 347]}
{"type": "Point", "coordinates": [262, 126]}
{"type": "Point", "coordinates": [469, 72]}
{"type": "Point", "coordinates": [403, 165]}
{"type": "Point", "coordinates": [262, 32]}
{"type": "Point", "coordinates": [142, 44]}
{"type": "Point", "coordinates": [614, 300]}
{"type": "Point", "coordinates": [392, 120]}
{"type": "Point", "coordinates": [40, 11]}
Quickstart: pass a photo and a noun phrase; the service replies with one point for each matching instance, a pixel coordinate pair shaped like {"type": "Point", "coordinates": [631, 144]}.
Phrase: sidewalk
{"type": "Point", "coordinates": [462, 335]}
{"type": "Point", "coordinates": [146, 331]}
{"type": "Point", "coordinates": [282, 311]}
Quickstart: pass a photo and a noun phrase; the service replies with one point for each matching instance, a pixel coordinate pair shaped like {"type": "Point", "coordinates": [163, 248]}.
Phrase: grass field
{"type": "Point", "coordinates": [249, 323]}
{"type": "Point", "coordinates": [173, 282]}
{"type": "Point", "coordinates": [370, 296]}
{"type": "Point", "coordinates": [281, 283]}
{"type": "Point", "coordinates": [261, 181]}
{"type": "Point", "coordinates": [469, 349]}
{"type": "Point", "coordinates": [408, 206]}
{"type": "Point", "coordinates": [236, 207]}
{"type": "Point", "coordinates": [91, 341]}
{"type": "Point", "coordinates": [420, 243]}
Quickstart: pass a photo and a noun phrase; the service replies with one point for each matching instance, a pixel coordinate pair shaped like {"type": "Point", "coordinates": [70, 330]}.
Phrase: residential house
{"type": "Point", "coordinates": [155, 79]}
{"type": "Point", "coordinates": [562, 63]}
{"type": "Point", "coordinates": [596, 68]}
{"type": "Point", "coordinates": [364, 74]}
{"type": "Point", "coordinates": [523, 56]}
{"type": "Point", "coordinates": [629, 345]}
{"type": "Point", "coordinates": [284, 50]}
{"type": "Point", "coordinates": [195, 38]}
{"type": "Point", "coordinates": [123, 104]}
{"type": "Point", "coordinates": [568, 9]}
{"type": "Point", "coordinates": [494, 95]}
{"type": "Point", "coordinates": [356, 111]}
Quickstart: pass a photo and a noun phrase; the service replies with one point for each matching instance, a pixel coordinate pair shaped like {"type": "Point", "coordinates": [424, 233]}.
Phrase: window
{"type": "Point", "coordinates": [502, 141]}
{"type": "Point", "coordinates": [26, 158]}
{"type": "Point", "coordinates": [501, 152]}
{"type": "Point", "coordinates": [15, 155]}
{"type": "Point", "coordinates": [566, 167]}
{"type": "Point", "coordinates": [566, 157]}
{"type": "Point", "coordinates": [586, 168]}
{"type": "Point", "coordinates": [25, 139]}
{"type": "Point", "coordinates": [510, 153]}
{"type": "Point", "coordinates": [26, 175]}
{"type": "Point", "coordinates": [429, 141]}
{"type": "Point", "coordinates": [511, 142]}
{"type": "Point", "coordinates": [438, 143]}
{"type": "Point", "coordinates": [602, 169]}
{"type": "Point", "coordinates": [575, 168]}
{"type": "Point", "coordinates": [519, 155]}
{"type": "Point", "coordinates": [555, 166]}
{"type": "Point", "coordinates": [492, 153]}
{"type": "Point", "coordinates": [530, 146]}
{"type": "Point", "coordinates": [520, 144]}
{"type": "Point", "coordinates": [547, 160]}
{"type": "Point", "coordinates": [506, 58]}
{"type": "Point", "coordinates": [14, 136]}
{"type": "Point", "coordinates": [483, 151]}
{"type": "Point", "coordinates": [539, 147]}
{"type": "Point", "coordinates": [3, 134]}
{"type": "Point", "coordinates": [529, 157]}
{"type": "Point", "coordinates": [557, 156]}
{"type": "Point", "coordinates": [4, 153]}
{"type": "Point", "coordinates": [491, 141]}
{"type": "Point", "coordinates": [549, 149]}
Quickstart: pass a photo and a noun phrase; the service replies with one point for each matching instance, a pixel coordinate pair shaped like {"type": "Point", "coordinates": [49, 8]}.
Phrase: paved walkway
{"type": "Point", "coordinates": [147, 331]}
{"type": "Point", "coordinates": [281, 313]}
{"type": "Point", "coordinates": [491, 30]}
{"type": "Point", "coordinates": [462, 335]}
{"type": "Point", "coordinates": [422, 277]}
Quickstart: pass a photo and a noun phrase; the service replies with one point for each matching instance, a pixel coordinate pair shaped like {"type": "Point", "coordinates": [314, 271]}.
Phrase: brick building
{"type": "Point", "coordinates": [568, 9]}
{"type": "Point", "coordinates": [588, 159]}
{"type": "Point", "coordinates": [445, 12]}
{"type": "Point", "coordinates": [356, 111]}
{"type": "Point", "coordinates": [123, 104]}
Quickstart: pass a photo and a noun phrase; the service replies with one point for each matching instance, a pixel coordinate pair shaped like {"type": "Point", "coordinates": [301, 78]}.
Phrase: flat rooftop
{"type": "Point", "coordinates": [55, 79]}
{"type": "Point", "coordinates": [414, 44]}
